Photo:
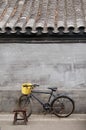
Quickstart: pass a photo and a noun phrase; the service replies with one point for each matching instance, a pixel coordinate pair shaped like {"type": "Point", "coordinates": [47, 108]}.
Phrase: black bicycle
{"type": "Point", "coordinates": [57, 104]}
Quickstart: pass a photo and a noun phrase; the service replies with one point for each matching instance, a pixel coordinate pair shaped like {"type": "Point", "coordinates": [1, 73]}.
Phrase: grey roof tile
{"type": "Point", "coordinates": [79, 12]}
{"type": "Point", "coordinates": [43, 16]}
{"type": "Point", "coordinates": [61, 16]}
{"type": "Point", "coordinates": [70, 13]}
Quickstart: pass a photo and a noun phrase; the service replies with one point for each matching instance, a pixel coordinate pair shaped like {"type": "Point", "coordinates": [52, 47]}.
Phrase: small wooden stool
{"type": "Point", "coordinates": [16, 112]}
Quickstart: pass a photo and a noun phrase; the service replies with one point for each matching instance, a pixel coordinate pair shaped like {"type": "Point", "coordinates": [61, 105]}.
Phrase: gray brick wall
{"type": "Point", "coordinates": [62, 65]}
{"type": "Point", "coordinates": [9, 100]}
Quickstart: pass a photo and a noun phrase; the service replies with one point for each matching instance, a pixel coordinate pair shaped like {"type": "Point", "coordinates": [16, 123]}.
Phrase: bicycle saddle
{"type": "Point", "coordinates": [53, 89]}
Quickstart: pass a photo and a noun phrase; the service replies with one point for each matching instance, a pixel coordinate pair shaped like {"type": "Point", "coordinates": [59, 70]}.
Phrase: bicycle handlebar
{"type": "Point", "coordinates": [33, 85]}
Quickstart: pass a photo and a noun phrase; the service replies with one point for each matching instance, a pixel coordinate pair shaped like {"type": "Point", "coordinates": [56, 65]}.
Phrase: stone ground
{"type": "Point", "coordinates": [45, 122]}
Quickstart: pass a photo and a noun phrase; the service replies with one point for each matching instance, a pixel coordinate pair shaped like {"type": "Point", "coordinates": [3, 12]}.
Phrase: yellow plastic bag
{"type": "Point", "coordinates": [26, 88]}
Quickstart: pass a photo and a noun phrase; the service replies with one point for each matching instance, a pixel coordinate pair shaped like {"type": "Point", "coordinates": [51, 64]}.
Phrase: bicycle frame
{"type": "Point", "coordinates": [55, 102]}
{"type": "Point", "coordinates": [42, 92]}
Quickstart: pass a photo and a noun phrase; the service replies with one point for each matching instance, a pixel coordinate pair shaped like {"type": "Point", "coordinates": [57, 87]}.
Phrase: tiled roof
{"type": "Point", "coordinates": [43, 16]}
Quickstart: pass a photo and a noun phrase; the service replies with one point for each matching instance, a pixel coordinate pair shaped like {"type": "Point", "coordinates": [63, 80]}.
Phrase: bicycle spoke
{"type": "Point", "coordinates": [63, 106]}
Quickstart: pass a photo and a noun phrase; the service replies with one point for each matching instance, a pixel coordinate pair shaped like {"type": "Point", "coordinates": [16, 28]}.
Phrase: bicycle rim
{"type": "Point", "coordinates": [63, 106]}
{"type": "Point", "coordinates": [24, 103]}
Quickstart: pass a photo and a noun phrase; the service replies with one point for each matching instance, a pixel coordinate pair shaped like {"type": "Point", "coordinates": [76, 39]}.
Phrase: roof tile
{"type": "Point", "coordinates": [44, 16]}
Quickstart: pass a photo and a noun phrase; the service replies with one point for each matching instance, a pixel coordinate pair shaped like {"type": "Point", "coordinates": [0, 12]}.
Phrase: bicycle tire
{"type": "Point", "coordinates": [58, 106]}
{"type": "Point", "coordinates": [24, 103]}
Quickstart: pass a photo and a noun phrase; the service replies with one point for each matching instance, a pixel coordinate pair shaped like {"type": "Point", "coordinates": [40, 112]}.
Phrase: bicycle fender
{"type": "Point", "coordinates": [61, 94]}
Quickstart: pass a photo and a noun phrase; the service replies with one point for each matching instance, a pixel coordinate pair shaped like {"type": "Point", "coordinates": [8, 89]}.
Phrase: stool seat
{"type": "Point", "coordinates": [24, 118]}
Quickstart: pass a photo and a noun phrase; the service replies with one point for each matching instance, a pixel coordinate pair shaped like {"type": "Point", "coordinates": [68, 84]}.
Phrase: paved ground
{"type": "Point", "coordinates": [47, 122]}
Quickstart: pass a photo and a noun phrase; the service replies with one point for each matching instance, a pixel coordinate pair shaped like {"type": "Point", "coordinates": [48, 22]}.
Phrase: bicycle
{"type": "Point", "coordinates": [61, 105]}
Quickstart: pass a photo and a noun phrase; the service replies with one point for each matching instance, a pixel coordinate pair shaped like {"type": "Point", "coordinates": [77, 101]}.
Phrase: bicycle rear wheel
{"type": "Point", "coordinates": [62, 106]}
{"type": "Point", "coordinates": [24, 103]}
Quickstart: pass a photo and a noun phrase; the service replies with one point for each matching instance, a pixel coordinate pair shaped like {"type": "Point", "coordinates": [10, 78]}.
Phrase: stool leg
{"type": "Point", "coordinates": [15, 118]}
{"type": "Point", "coordinates": [25, 118]}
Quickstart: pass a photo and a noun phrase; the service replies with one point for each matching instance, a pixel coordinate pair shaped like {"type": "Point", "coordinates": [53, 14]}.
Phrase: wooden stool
{"type": "Point", "coordinates": [16, 112]}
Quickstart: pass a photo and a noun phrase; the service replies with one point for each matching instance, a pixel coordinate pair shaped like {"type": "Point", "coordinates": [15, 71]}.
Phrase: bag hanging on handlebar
{"type": "Point", "coordinates": [26, 88]}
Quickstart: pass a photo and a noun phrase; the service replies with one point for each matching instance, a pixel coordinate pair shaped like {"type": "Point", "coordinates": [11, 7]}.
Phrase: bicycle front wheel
{"type": "Point", "coordinates": [62, 106]}
{"type": "Point", "coordinates": [24, 103]}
